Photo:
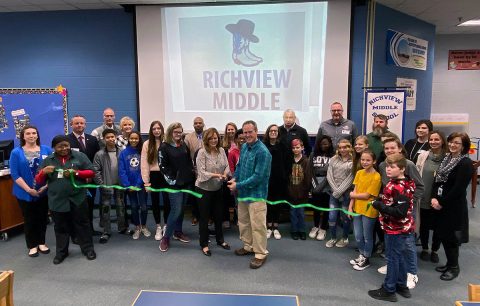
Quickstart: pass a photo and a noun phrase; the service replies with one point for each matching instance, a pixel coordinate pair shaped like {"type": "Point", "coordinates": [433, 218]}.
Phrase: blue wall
{"type": "Point", "coordinates": [386, 75]}
{"type": "Point", "coordinates": [91, 53]}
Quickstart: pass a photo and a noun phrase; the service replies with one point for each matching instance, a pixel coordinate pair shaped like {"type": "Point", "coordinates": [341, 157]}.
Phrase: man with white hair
{"type": "Point", "coordinates": [290, 130]}
{"type": "Point", "coordinates": [108, 123]}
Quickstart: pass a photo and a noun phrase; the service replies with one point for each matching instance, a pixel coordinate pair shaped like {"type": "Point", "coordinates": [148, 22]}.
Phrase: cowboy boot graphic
{"type": "Point", "coordinates": [242, 33]}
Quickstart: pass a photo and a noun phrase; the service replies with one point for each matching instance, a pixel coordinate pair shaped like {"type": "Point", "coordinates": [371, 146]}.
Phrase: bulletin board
{"type": "Point", "coordinates": [44, 108]}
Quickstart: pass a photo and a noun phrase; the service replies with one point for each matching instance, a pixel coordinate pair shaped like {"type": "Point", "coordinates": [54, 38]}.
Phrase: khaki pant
{"type": "Point", "coordinates": [252, 222]}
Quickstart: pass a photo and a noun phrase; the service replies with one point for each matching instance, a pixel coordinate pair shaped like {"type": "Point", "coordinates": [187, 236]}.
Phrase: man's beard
{"type": "Point", "coordinates": [379, 131]}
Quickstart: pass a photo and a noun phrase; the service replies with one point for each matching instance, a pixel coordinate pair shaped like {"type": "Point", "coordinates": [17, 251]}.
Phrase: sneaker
{"type": "Point", "coordinates": [404, 291]}
{"type": "Point", "coordinates": [136, 234]}
{"type": "Point", "coordinates": [164, 230]}
{"type": "Point", "coordinates": [379, 247]}
{"type": "Point", "coordinates": [424, 255]}
{"type": "Point", "coordinates": [269, 233]}
{"type": "Point", "coordinates": [362, 265]}
{"type": "Point", "coordinates": [412, 280]}
{"type": "Point", "coordinates": [164, 244]}
{"type": "Point", "coordinates": [322, 234]}
{"type": "Point", "coordinates": [382, 294]}
{"type": "Point", "coordinates": [382, 270]}
{"type": "Point", "coordinates": [313, 232]}
{"type": "Point", "coordinates": [331, 243]}
{"type": "Point", "coordinates": [146, 232]}
{"type": "Point", "coordinates": [180, 236]}
{"type": "Point", "coordinates": [158, 233]}
{"type": "Point", "coordinates": [356, 260]}
{"type": "Point", "coordinates": [276, 234]}
{"type": "Point", "coordinates": [342, 243]}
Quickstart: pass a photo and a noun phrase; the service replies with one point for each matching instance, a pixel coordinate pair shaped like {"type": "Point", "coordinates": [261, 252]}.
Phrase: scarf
{"type": "Point", "coordinates": [447, 165]}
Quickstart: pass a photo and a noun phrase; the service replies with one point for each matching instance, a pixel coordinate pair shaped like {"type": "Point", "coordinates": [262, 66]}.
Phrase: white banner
{"type": "Point", "coordinates": [388, 103]}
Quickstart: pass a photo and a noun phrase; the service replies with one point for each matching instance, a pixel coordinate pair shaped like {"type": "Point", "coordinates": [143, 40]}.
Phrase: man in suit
{"type": "Point", "coordinates": [87, 144]}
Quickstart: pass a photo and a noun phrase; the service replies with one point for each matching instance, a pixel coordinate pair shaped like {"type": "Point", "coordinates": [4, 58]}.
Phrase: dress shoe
{"type": "Point", "coordinates": [257, 263]}
{"type": "Point", "coordinates": [450, 274]}
{"type": "Point", "coordinates": [434, 257]}
{"type": "Point", "coordinates": [59, 259]}
{"type": "Point", "coordinates": [243, 252]}
{"type": "Point", "coordinates": [91, 255]}
{"type": "Point", "coordinates": [207, 253]}
{"type": "Point", "coordinates": [441, 269]}
{"type": "Point", "coordinates": [424, 255]}
{"type": "Point", "coordinates": [46, 250]}
{"type": "Point", "coordinates": [34, 254]}
{"type": "Point", "coordinates": [104, 238]}
{"type": "Point", "coordinates": [224, 245]}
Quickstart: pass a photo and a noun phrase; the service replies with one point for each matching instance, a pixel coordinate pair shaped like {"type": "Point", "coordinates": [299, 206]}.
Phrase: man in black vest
{"type": "Point", "coordinates": [87, 144]}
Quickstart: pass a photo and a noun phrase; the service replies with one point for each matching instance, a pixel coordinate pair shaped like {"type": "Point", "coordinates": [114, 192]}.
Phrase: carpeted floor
{"type": "Point", "coordinates": [319, 276]}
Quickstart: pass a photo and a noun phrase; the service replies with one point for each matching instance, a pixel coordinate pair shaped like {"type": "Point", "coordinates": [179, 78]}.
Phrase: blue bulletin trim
{"type": "Point", "coordinates": [178, 298]}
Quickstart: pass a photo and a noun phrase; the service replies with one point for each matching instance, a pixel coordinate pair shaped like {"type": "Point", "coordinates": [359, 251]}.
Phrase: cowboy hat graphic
{"type": "Point", "coordinates": [242, 33]}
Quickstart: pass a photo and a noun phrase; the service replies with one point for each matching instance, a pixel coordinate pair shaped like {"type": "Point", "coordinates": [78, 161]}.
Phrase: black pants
{"type": "Point", "coordinates": [451, 247]}
{"type": "Point", "coordinates": [321, 200]}
{"type": "Point", "coordinates": [75, 220]}
{"type": "Point", "coordinates": [91, 204]}
{"type": "Point", "coordinates": [158, 181]}
{"type": "Point", "coordinates": [210, 205]}
{"type": "Point", "coordinates": [427, 216]}
{"type": "Point", "coordinates": [35, 221]}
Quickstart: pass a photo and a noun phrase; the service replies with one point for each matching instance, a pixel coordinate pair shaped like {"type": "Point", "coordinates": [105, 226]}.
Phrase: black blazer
{"type": "Point", "coordinates": [91, 145]}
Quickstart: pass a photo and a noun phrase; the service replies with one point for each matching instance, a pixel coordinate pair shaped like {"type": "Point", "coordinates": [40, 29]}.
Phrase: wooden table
{"type": "Point", "coordinates": [10, 212]}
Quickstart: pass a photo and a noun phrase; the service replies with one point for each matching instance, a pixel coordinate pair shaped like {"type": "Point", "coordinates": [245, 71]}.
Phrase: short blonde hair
{"type": "Point", "coordinates": [126, 120]}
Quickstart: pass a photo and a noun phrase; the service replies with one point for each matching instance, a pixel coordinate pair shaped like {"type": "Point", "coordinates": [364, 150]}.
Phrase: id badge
{"type": "Point", "coordinates": [60, 173]}
{"type": "Point", "coordinates": [440, 191]}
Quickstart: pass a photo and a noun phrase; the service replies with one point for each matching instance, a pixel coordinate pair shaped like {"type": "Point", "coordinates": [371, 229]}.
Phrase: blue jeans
{"type": "Point", "coordinates": [343, 202]}
{"type": "Point", "coordinates": [138, 202]}
{"type": "Point", "coordinates": [396, 253]}
{"type": "Point", "coordinates": [363, 228]}
{"type": "Point", "coordinates": [411, 255]}
{"type": "Point", "coordinates": [297, 219]}
{"type": "Point", "coordinates": [175, 217]}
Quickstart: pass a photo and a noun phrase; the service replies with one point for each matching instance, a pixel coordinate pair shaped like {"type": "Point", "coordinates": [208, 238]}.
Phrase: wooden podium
{"type": "Point", "coordinates": [10, 212]}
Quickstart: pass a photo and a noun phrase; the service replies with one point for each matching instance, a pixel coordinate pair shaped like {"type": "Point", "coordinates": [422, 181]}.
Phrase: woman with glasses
{"type": "Point", "coordinates": [278, 182]}
{"type": "Point", "coordinates": [450, 201]}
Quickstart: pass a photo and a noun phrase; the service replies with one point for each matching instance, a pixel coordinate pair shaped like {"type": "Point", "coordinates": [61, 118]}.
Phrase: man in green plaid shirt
{"type": "Point", "coordinates": [251, 181]}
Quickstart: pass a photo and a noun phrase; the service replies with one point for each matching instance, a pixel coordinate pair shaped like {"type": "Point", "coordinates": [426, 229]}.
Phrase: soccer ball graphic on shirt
{"type": "Point", "coordinates": [134, 162]}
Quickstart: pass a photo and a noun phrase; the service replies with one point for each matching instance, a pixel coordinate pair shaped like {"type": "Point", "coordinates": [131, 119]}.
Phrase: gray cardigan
{"type": "Point", "coordinates": [339, 175]}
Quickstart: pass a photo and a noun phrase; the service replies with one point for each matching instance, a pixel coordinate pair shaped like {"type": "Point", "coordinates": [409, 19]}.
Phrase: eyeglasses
{"type": "Point", "coordinates": [177, 132]}
{"type": "Point", "coordinates": [336, 110]}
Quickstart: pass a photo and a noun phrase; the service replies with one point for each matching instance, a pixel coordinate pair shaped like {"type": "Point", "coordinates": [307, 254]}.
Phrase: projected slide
{"type": "Point", "coordinates": [260, 59]}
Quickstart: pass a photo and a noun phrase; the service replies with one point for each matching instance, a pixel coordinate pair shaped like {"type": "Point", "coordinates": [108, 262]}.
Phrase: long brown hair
{"type": "Point", "coordinates": [22, 135]}
{"type": "Point", "coordinates": [152, 154]}
{"type": "Point", "coordinates": [225, 141]}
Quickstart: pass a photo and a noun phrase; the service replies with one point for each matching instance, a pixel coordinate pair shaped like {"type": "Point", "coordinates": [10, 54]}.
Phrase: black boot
{"type": "Point", "coordinates": [450, 274]}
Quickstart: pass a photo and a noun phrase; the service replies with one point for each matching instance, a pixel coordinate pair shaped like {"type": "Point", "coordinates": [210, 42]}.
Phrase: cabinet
{"type": "Point", "coordinates": [10, 212]}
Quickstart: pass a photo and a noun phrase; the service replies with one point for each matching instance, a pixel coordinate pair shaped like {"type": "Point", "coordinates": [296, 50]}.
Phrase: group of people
{"type": "Point", "coordinates": [388, 191]}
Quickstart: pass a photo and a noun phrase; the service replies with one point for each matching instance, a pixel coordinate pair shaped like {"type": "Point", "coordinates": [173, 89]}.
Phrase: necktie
{"type": "Point", "coordinates": [82, 145]}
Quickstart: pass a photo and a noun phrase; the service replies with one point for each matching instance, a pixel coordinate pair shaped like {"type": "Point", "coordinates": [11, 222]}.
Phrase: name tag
{"type": "Point", "coordinates": [346, 132]}
{"type": "Point", "coordinates": [60, 173]}
{"type": "Point", "coordinates": [75, 149]}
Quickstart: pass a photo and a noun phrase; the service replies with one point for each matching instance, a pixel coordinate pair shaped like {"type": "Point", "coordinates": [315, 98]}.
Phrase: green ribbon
{"type": "Point", "coordinates": [72, 179]}
{"type": "Point", "coordinates": [249, 199]}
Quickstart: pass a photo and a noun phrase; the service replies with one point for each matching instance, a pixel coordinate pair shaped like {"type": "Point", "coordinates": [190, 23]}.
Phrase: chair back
{"type": "Point", "coordinates": [6, 288]}
{"type": "Point", "coordinates": [473, 293]}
